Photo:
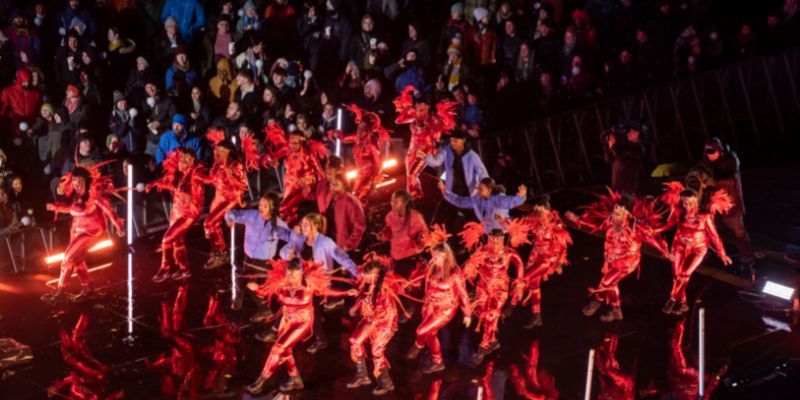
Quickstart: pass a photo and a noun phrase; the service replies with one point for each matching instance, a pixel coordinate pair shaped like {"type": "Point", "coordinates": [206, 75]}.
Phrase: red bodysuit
{"type": "Point", "coordinates": [377, 326]}
{"type": "Point", "coordinates": [187, 202]}
{"type": "Point", "coordinates": [548, 255]}
{"type": "Point", "coordinates": [491, 266]}
{"type": "Point", "coordinates": [89, 214]}
{"type": "Point", "coordinates": [426, 131]}
{"type": "Point", "coordinates": [689, 248]}
{"type": "Point", "coordinates": [230, 183]}
{"type": "Point", "coordinates": [442, 299]}
{"type": "Point", "coordinates": [296, 326]}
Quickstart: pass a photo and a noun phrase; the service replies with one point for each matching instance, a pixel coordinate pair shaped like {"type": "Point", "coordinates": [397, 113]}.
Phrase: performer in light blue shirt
{"type": "Point", "coordinates": [487, 206]}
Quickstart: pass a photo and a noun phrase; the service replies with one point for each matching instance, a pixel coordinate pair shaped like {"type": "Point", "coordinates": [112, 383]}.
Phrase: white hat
{"type": "Point", "coordinates": [480, 13]}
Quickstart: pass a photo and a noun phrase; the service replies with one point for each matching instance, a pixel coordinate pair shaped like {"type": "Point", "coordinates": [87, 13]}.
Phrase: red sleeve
{"type": "Point", "coordinates": [356, 215]}
{"type": "Point", "coordinates": [417, 228]}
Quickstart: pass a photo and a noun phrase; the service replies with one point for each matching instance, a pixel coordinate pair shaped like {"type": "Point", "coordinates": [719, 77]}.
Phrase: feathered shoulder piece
{"type": "Point", "coordinates": [471, 235]}
{"type": "Point", "coordinates": [436, 236]}
{"type": "Point", "coordinates": [373, 120]}
{"type": "Point", "coordinates": [215, 136]}
{"type": "Point", "coordinates": [318, 149]}
{"type": "Point", "coordinates": [446, 111]}
{"type": "Point", "coordinates": [404, 100]}
{"type": "Point", "coordinates": [672, 193]}
{"type": "Point", "coordinates": [275, 282]}
{"type": "Point", "coordinates": [518, 230]}
{"type": "Point", "coordinates": [275, 137]}
{"type": "Point", "coordinates": [720, 202]}
{"type": "Point", "coordinates": [250, 151]}
{"type": "Point", "coordinates": [596, 213]}
{"type": "Point", "coordinates": [317, 278]}
{"type": "Point", "coordinates": [645, 213]}
{"type": "Point", "coordinates": [372, 256]}
{"type": "Point", "coordinates": [395, 286]}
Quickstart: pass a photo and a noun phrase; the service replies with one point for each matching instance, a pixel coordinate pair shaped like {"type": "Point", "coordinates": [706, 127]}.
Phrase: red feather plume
{"type": "Point", "coordinates": [405, 99]}
{"type": "Point", "coordinates": [472, 234]}
{"type": "Point", "coordinates": [518, 231]}
{"type": "Point", "coordinates": [215, 136]}
{"type": "Point", "coordinates": [672, 193]}
{"type": "Point", "coordinates": [318, 149]}
{"type": "Point", "coordinates": [250, 150]}
{"type": "Point", "coordinates": [436, 236]}
{"type": "Point", "coordinates": [720, 202]}
{"type": "Point", "coordinates": [447, 114]}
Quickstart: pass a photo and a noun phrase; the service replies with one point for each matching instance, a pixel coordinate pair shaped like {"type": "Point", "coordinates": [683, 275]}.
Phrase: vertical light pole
{"type": "Point", "coordinates": [129, 238]}
{"type": "Point", "coordinates": [339, 125]}
{"type": "Point", "coordinates": [234, 291]}
{"type": "Point", "coordinates": [589, 372]}
{"type": "Point", "coordinates": [701, 349]}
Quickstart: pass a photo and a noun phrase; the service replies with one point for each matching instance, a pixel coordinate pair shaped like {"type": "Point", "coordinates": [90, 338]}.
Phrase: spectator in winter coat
{"type": "Point", "coordinates": [24, 39]}
{"type": "Point", "coordinates": [70, 12]}
{"type": "Point", "coordinates": [122, 123]}
{"type": "Point", "coordinates": [484, 41]}
{"type": "Point", "coordinates": [167, 43]}
{"type": "Point", "coordinates": [223, 85]}
{"type": "Point", "coordinates": [415, 41]}
{"type": "Point", "coordinates": [189, 14]}
{"type": "Point", "coordinates": [180, 76]}
{"type": "Point", "coordinates": [177, 137]}
{"type": "Point", "coordinates": [19, 102]}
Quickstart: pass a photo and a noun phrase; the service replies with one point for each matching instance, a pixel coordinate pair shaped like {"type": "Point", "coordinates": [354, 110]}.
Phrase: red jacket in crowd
{"type": "Point", "coordinates": [19, 102]}
{"type": "Point", "coordinates": [349, 218]}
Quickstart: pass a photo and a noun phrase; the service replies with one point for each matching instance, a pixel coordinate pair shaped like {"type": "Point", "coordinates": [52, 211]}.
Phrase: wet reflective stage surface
{"type": "Point", "coordinates": [188, 343]}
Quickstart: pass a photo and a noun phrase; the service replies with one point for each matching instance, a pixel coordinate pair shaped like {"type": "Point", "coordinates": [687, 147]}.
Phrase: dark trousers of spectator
{"type": "Point", "coordinates": [735, 222]}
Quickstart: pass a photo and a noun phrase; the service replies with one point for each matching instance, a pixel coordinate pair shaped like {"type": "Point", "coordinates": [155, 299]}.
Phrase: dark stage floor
{"type": "Point", "coordinates": [736, 336]}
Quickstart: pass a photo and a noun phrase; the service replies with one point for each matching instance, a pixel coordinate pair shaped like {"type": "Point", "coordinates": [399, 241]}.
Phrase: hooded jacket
{"type": "Point", "coordinates": [223, 86]}
{"type": "Point", "coordinates": [19, 104]}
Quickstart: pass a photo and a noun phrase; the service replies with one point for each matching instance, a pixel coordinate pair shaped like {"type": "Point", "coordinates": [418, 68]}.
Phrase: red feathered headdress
{"type": "Point", "coordinates": [250, 150]}
{"type": "Point", "coordinates": [436, 236]}
{"type": "Point", "coordinates": [472, 234]}
{"type": "Point", "coordinates": [215, 136]}
{"type": "Point", "coordinates": [518, 230]}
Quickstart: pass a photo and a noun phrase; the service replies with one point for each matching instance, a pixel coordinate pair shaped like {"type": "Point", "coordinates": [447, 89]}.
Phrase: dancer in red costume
{"type": "Point", "coordinates": [490, 263]}
{"type": "Point", "coordinates": [185, 178]}
{"type": "Point", "coordinates": [369, 140]}
{"type": "Point", "coordinates": [86, 198]}
{"type": "Point", "coordinates": [627, 222]}
{"type": "Point", "coordinates": [548, 255]}
{"type": "Point", "coordinates": [614, 383]}
{"type": "Point", "coordinates": [695, 229]}
{"type": "Point", "coordinates": [426, 131]}
{"type": "Point", "coordinates": [88, 377]}
{"type": "Point", "coordinates": [228, 177]}
{"type": "Point", "coordinates": [294, 283]}
{"type": "Point", "coordinates": [445, 291]}
{"type": "Point", "coordinates": [302, 166]}
{"type": "Point", "coordinates": [377, 304]}
{"type": "Point", "coordinates": [532, 382]}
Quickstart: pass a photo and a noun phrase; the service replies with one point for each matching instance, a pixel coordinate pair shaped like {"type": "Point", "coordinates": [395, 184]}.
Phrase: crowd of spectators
{"type": "Point", "coordinates": [128, 80]}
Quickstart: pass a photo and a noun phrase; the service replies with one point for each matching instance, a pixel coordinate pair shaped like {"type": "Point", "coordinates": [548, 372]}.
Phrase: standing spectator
{"type": "Point", "coordinates": [546, 47]}
{"type": "Point", "coordinates": [121, 123]}
{"type": "Point", "coordinates": [309, 30]}
{"type": "Point", "coordinates": [180, 77]}
{"type": "Point", "coordinates": [455, 28]}
{"type": "Point", "coordinates": [247, 96]}
{"type": "Point", "coordinates": [484, 41]}
{"type": "Point", "coordinates": [250, 21]}
{"type": "Point", "coordinates": [626, 155]}
{"type": "Point", "coordinates": [24, 39]}
{"type": "Point", "coordinates": [199, 112]}
{"type": "Point", "coordinates": [76, 106]}
{"type": "Point", "coordinates": [384, 10]}
{"type": "Point", "coordinates": [416, 41]}
{"type": "Point", "coordinates": [137, 79]}
{"type": "Point", "coordinates": [20, 101]}
{"type": "Point", "coordinates": [351, 83]}
{"type": "Point", "coordinates": [252, 59]}
{"type": "Point", "coordinates": [508, 46]}
{"type": "Point", "coordinates": [7, 66]}
{"type": "Point", "coordinates": [406, 73]}
{"type": "Point", "coordinates": [524, 68]}
{"type": "Point", "coordinates": [231, 121]}
{"type": "Point", "coordinates": [167, 43]}
{"type": "Point", "coordinates": [189, 14]}
{"type": "Point", "coordinates": [585, 33]}
{"type": "Point", "coordinates": [72, 11]}
{"type": "Point", "coordinates": [223, 85]}
{"type": "Point", "coordinates": [337, 31]}
{"type": "Point", "coordinates": [279, 19]}
{"type": "Point", "coordinates": [158, 111]}
{"type": "Point", "coordinates": [218, 43]}
{"type": "Point", "coordinates": [456, 71]}
{"type": "Point", "coordinates": [365, 41]}
{"type": "Point", "coordinates": [177, 137]}
{"type": "Point", "coordinates": [119, 56]}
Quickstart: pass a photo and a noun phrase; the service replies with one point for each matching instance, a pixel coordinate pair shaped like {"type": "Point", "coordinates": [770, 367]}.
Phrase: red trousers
{"type": "Point", "coordinates": [490, 303]}
{"type": "Point", "coordinates": [378, 332]}
{"type": "Point", "coordinates": [434, 318]}
{"type": "Point", "coordinates": [414, 167]}
{"type": "Point", "coordinates": [213, 223]}
{"type": "Point", "coordinates": [364, 181]}
{"type": "Point", "coordinates": [686, 260]}
{"type": "Point", "coordinates": [173, 243]}
{"type": "Point", "coordinates": [613, 274]}
{"type": "Point", "coordinates": [75, 257]}
{"type": "Point", "coordinates": [293, 195]}
{"type": "Point", "coordinates": [292, 330]}
{"type": "Point", "coordinates": [537, 269]}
